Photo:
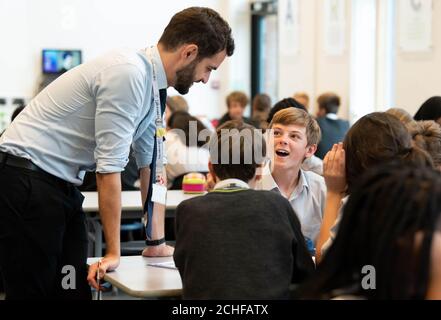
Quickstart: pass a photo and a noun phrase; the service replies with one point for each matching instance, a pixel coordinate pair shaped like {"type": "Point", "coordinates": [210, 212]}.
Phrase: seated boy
{"type": "Point", "coordinates": [236, 242]}
{"type": "Point", "coordinates": [294, 135]}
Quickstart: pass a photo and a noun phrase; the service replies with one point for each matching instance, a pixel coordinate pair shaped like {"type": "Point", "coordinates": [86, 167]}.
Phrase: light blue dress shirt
{"type": "Point", "coordinates": [87, 118]}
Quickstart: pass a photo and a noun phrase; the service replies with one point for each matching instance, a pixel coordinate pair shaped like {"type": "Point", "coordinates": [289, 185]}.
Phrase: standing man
{"type": "Point", "coordinates": [85, 120]}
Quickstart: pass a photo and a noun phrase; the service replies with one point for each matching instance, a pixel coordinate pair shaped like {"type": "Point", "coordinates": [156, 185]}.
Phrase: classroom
{"type": "Point", "coordinates": [220, 150]}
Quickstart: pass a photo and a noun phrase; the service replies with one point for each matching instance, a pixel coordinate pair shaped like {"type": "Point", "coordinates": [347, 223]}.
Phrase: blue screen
{"type": "Point", "coordinates": [59, 61]}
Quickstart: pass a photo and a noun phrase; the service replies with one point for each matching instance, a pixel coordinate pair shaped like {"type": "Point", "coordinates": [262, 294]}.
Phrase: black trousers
{"type": "Point", "coordinates": [43, 236]}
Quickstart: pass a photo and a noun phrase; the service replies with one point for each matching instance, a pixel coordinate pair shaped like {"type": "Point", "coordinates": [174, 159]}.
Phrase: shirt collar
{"type": "Point", "coordinates": [160, 71]}
{"type": "Point", "coordinates": [268, 182]}
{"type": "Point", "coordinates": [231, 183]}
{"type": "Point", "coordinates": [331, 116]}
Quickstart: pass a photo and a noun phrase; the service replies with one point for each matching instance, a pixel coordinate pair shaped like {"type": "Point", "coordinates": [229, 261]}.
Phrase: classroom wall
{"type": "Point", "coordinates": [96, 26]}
{"type": "Point", "coordinates": [311, 69]}
{"type": "Point", "coordinates": [418, 75]}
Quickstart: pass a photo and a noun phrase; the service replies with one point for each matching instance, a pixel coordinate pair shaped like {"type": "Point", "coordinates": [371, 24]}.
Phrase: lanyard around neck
{"type": "Point", "coordinates": [159, 123]}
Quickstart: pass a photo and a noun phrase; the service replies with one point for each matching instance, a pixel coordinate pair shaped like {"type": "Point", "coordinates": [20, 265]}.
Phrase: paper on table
{"type": "Point", "coordinates": [167, 265]}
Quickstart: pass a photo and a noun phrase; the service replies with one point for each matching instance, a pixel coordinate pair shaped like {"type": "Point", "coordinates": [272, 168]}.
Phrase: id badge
{"type": "Point", "coordinates": [159, 194]}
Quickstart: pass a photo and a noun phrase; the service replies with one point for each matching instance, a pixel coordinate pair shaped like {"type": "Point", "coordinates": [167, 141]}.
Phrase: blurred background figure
{"type": "Point", "coordinates": [173, 104]}
{"type": "Point", "coordinates": [333, 129]}
{"type": "Point", "coordinates": [302, 98]}
{"type": "Point", "coordinates": [237, 101]}
{"type": "Point", "coordinates": [261, 107]}
{"type": "Point", "coordinates": [185, 153]}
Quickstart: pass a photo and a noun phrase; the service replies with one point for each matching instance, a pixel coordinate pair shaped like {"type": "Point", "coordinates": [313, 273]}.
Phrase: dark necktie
{"type": "Point", "coordinates": [148, 206]}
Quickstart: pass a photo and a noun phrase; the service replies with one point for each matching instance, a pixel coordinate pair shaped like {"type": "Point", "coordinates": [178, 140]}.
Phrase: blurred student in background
{"type": "Point", "coordinates": [261, 108]}
{"type": "Point", "coordinates": [237, 101]}
{"type": "Point", "coordinates": [302, 98]}
{"type": "Point", "coordinates": [185, 147]}
{"type": "Point", "coordinates": [333, 129]}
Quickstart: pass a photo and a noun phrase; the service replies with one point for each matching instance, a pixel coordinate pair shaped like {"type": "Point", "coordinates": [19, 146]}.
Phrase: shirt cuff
{"type": "Point", "coordinates": [110, 165]}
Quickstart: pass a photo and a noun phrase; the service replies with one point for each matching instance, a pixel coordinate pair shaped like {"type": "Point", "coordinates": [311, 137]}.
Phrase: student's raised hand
{"type": "Point", "coordinates": [107, 263]}
{"type": "Point", "coordinates": [334, 169]}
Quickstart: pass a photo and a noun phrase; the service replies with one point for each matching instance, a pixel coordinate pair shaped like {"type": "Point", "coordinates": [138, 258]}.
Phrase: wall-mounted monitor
{"type": "Point", "coordinates": [56, 61]}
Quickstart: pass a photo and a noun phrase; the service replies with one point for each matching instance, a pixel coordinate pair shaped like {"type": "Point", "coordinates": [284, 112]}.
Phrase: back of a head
{"type": "Point", "coordinates": [283, 104]}
{"type": "Point", "coordinates": [237, 150]}
{"type": "Point", "coordinates": [388, 224]}
{"type": "Point", "coordinates": [299, 117]}
{"type": "Point", "coordinates": [201, 26]}
{"type": "Point", "coordinates": [401, 115]}
{"type": "Point", "coordinates": [430, 109]}
{"type": "Point", "coordinates": [261, 103]}
{"type": "Point", "coordinates": [330, 102]}
{"type": "Point", "coordinates": [378, 138]}
{"type": "Point", "coordinates": [427, 135]}
{"type": "Point", "coordinates": [177, 103]}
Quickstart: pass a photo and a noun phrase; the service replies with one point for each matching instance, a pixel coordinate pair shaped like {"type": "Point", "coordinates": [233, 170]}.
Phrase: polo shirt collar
{"type": "Point", "coordinates": [231, 184]}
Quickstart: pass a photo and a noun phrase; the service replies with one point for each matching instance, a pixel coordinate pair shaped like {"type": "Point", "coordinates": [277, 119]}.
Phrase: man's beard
{"type": "Point", "coordinates": [184, 78]}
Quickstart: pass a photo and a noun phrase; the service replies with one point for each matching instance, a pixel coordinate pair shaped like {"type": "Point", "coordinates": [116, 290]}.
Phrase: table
{"type": "Point", "coordinates": [137, 279]}
{"type": "Point", "coordinates": [131, 200]}
{"type": "Point", "coordinates": [132, 207]}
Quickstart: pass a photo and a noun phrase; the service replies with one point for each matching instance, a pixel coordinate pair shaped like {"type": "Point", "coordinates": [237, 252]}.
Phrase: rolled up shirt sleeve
{"type": "Point", "coordinates": [119, 93]}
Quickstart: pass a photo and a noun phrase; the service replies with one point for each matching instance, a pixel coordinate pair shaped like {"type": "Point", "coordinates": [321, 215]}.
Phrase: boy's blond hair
{"type": "Point", "coordinates": [299, 117]}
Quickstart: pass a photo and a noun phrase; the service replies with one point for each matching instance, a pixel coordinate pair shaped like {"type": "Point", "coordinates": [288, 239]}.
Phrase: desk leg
{"type": "Point", "coordinates": [98, 241]}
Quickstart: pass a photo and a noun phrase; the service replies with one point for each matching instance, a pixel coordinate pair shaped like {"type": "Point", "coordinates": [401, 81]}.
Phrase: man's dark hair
{"type": "Point", "coordinates": [242, 137]}
{"type": "Point", "coordinates": [330, 102]}
{"type": "Point", "coordinates": [203, 27]}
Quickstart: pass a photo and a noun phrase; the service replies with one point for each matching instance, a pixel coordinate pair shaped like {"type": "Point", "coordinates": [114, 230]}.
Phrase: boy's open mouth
{"type": "Point", "coordinates": [282, 153]}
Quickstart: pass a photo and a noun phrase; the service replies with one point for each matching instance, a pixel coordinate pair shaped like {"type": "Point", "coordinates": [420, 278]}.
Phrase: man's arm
{"type": "Point", "coordinates": [144, 176]}
{"type": "Point", "coordinates": [109, 200]}
{"type": "Point", "coordinates": [158, 220]}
